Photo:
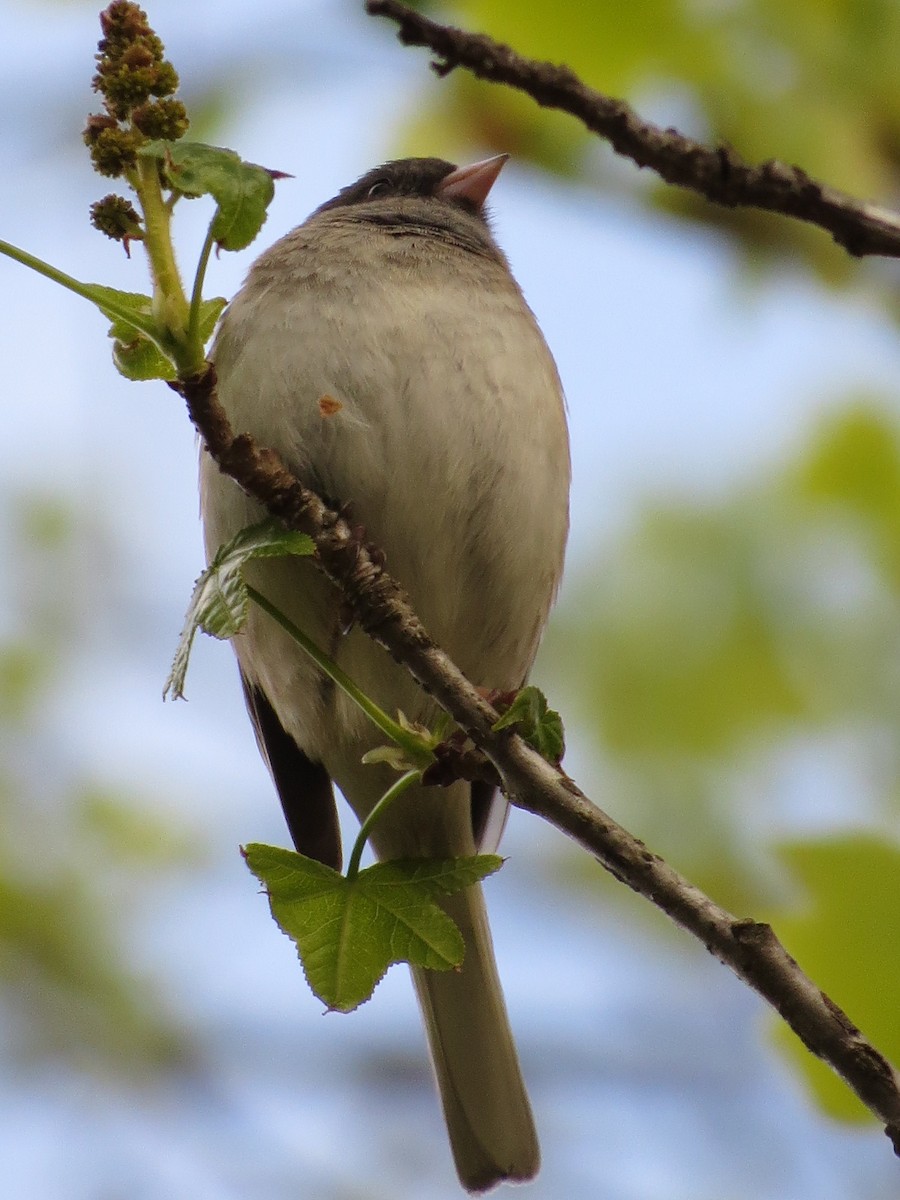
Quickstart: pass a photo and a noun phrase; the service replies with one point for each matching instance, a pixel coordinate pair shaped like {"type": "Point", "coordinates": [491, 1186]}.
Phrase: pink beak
{"type": "Point", "coordinates": [474, 181]}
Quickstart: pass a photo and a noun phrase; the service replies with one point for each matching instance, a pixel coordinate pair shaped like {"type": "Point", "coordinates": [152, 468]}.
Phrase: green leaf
{"type": "Point", "coordinates": [539, 725]}
{"type": "Point", "coordinates": [242, 190]}
{"type": "Point", "coordinates": [138, 345]}
{"type": "Point", "coordinates": [135, 354]}
{"type": "Point", "coordinates": [403, 756]}
{"type": "Point", "coordinates": [129, 308]}
{"type": "Point", "coordinates": [130, 312]}
{"type": "Point", "coordinates": [139, 360]}
{"type": "Point", "coordinates": [210, 311]}
{"type": "Point", "coordinates": [397, 758]}
{"type": "Point", "coordinates": [348, 933]}
{"type": "Point", "coordinates": [219, 601]}
{"type": "Point", "coordinates": [845, 934]}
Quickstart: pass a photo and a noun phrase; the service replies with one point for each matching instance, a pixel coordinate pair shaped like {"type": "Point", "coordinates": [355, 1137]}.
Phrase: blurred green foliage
{"type": "Point", "coordinates": [812, 82]}
{"type": "Point", "coordinates": [716, 624]}
{"type": "Point", "coordinates": [845, 931]}
{"type": "Point", "coordinates": [721, 654]}
{"type": "Point", "coordinates": [71, 851]}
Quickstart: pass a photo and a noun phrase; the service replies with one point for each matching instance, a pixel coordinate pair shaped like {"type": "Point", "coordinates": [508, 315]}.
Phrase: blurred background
{"type": "Point", "coordinates": [726, 650]}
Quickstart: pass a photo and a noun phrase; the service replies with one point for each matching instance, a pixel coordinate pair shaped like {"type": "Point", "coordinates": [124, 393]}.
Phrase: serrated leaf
{"type": "Point", "coordinates": [348, 932]}
{"type": "Point", "coordinates": [538, 724]}
{"type": "Point", "coordinates": [242, 190]}
{"type": "Point", "coordinates": [219, 601]}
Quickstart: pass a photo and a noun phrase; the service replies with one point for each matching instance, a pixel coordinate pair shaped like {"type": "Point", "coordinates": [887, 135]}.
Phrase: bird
{"type": "Point", "coordinates": [384, 348]}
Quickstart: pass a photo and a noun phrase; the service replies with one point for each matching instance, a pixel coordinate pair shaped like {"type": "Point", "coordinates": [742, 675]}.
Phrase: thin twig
{"type": "Point", "coordinates": [716, 172]}
{"type": "Point", "coordinates": [379, 605]}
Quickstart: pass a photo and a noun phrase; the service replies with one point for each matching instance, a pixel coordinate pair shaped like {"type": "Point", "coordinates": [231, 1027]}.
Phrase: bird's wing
{"type": "Point", "coordinates": [304, 787]}
{"type": "Point", "coordinates": [490, 808]}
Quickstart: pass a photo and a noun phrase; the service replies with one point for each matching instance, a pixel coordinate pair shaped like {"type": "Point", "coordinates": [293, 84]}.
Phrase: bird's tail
{"type": "Point", "coordinates": [485, 1104]}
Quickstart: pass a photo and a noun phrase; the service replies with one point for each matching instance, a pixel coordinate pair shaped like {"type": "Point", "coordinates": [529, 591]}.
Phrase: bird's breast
{"type": "Point", "coordinates": [423, 395]}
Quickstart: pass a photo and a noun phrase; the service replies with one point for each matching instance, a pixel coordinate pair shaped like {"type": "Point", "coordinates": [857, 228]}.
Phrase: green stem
{"type": "Point", "coordinates": [87, 291]}
{"type": "Point", "coordinates": [158, 244]}
{"type": "Point", "coordinates": [197, 292]}
{"type": "Point", "coordinates": [170, 304]}
{"type": "Point", "coordinates": [404, 738]}
{"type": "Point", "coordinates": [401, 785]}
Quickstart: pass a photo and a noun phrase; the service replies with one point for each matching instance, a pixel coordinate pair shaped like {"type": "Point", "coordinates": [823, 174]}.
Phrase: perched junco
{"type": "Point", "coordinates": [384, 348]}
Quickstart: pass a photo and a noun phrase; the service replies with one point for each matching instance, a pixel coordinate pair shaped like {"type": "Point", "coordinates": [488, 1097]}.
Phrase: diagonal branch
{"type": "Point", "coordinates": [379, 605]}
{"type": "Point", "coordinates": [716, 172]}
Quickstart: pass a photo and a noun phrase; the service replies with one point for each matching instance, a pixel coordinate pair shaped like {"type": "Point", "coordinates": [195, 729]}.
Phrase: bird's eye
{"type": "Point", "coordinates": [378, 188]}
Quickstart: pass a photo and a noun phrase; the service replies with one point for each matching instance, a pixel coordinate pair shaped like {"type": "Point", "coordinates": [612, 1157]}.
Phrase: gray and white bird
{"type": "Point", "coordinates": [385, 349]}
